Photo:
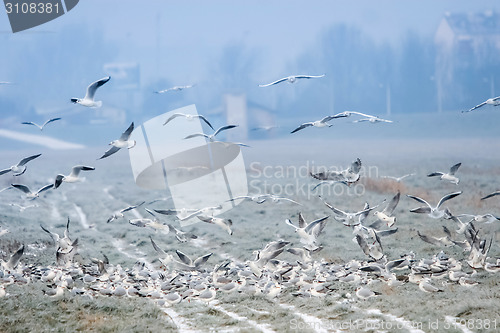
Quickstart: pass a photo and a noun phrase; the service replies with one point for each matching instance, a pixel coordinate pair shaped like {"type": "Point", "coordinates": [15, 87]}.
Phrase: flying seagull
{"type": "Point", "coordinates": [42, 126]}
{"type": "Point", "coordinates": [174, 88]}
{"type": "Point", "coordinates": [386, 215]}
{"type": "Point", "coordinates": [20, 167]}
{"type": "Point", "coordinates": [349, 175]}
{"type": "Point", "coordinates": [119, 214]}
{"type": "Point", "coordinates": [433, 212]}
{"type": "Point", "coordinates": [73, 176]}
{"type": "Point", "coordinates": [188, 117]}
{"type": "Point", "coordinates": [29, 194]}
{"type": "Point", "coordinates": [490, 101]}
{"type": "Point", "coordinates": [212, 136]}
{"type": "Point", "coordinates": [88, 100]}
{"type": "Point", "coordinates": [319, 123]}
{"type": "Point", "coordinates": [309, 232]}
{"type": "Point", "coordinates": [373, 120]}
{"type": "Point", "coordinates": [450, 176]}
{"type": "Point", "coordinates": [491, 195]}
{"type": "Point", "coordinates": [292, 79]}
{"type": "Point", "coordinates": [398, 179]}
{"type": "Point", "coordinates": [122, 142]}
{"type": "Point", "coordinates": [225, 224]}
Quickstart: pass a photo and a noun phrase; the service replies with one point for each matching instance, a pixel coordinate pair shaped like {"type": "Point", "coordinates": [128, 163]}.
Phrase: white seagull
{"type": "Point", "coordinates": [308, 232]}
{"type": "Point", "coordinates": [398, 179]}
{"type": "Point", "coordinates": [123, 142]}
{"type": "Point", "coordinates": [174, 88]}
{"type": "Point", "coordinates": [373, 120]}
{"type": "Point", "coordinates": [433, 212]}
{"type": "Point", "coordinates": [88, 100]}
{"type": "Point", "coordinates": [119, 214]}
{"type": "Point", "coordinates": [73, 176]}
{"type": "Point", "coordinates": [450, 176]}
{"type": "Point", "coordinates": [319, 123]}
{"type": "Point", "coordinates": [42, 126]}
{"type": "Point", "coordinates": [225, 224]}
{"type": "Point", "coordinates": [211, 137]}
{"type": "Point", "coordinates": [292, 79]}
{"type": "Point", "coordinates": [188, 117]}
{"type": "Point", "coordinates": [490, 101]}
{"type": "Point", "coordinates": [22, 208]}
{"type": "Point", "coordinates": [29, 194]}
{"type": "Point", "coordinates": [20, 167]}
{"type": "Point", "coordinates": [386, 214]}
{"type": "Point", "coordinates": [349, 175]}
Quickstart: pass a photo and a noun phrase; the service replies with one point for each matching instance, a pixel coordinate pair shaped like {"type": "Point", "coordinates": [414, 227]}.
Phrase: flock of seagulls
{"type": "Point", "coordinates": [182, 277]}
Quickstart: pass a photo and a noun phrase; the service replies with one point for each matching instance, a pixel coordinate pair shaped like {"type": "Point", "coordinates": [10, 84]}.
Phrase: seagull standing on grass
{"type": "Point", "coordinates": [73, 176]}
{"type": "Point", "coordinates": [88, 100]}
{"type": "Point", "coordinates": [123, 142]}
{"type": "Point", "coordinates": [20, 167]}
{"type": "Point", "coordinates": [292, 79]}
{"type": "Point", "coordinates": [42, 126]}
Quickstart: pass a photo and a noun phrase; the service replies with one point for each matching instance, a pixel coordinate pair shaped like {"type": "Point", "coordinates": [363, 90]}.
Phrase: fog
{"type": "Point", "coordinates": [383, 58]}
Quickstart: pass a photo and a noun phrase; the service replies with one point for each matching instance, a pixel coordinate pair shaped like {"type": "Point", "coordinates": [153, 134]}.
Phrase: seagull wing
{"type": "Point", "coordinates": [301, 127]}
{"type": "Point", "coordinates": [131, 207]}
{"type": "Point", "coordinates": [355, 166]}
{"type": "Point", "coordinates": [392, 204]}
{"type": "Point", "coordinates": [419, 199]}
{"type": "Point", "coordinates": [197, 134]}
{"type": "Point", "coordinates": [448, 197]}
{"type": "Point", "coordinates": [434, 174]}
{"type": "Point", "coordinates": [75, 171]}
{"type": "Point", "coordinates": [201, 260]}
{"type": "Point", "coordinates": [421, 210]}
{"type": "Point", "coordinates": [110, 152]}
{"type": "Point", "coordinates": [91, 89]}
{"type": "Point", "coordinates": [335, 210]}
{"type": "Point", "coordinates": [27, 159]}
{"type": "Point", "coordinates": [485, 197]}
{"type": "Point", "coordinates": [45, 188]}
{"type": "Point", "coordinates": [454, 168]}
{"type": "Point", "coordinates": [309, 76]}
{"type": "Point", "coordinates": [476, 107]}
{"type": "Point", "coordinates": [49, 121]}
{"type": "Point", "coordinates": [184, 258]}
{"type": "Point", "coordinates": [175, 115]}
{"type": "Point", "coordinates": [157, 248]}
{"type": "Point", "coordinates": [55, 237]}
{"type": "Point", "coordinates": [32, 123]}
{"type": "Point", "coordinates": [14, 260]}
{"type": "Point", "coordinates": [126, 135]}
{"type": "Point", "coordinates": [362, 244]}
{"type": "Point", "coordinates": [273, 83]}
{"type": "Point", "coordinates": [223, 128]}
{"type": "Point", "coordinates": [290, 223]}
{"type": "Point", "coordinates": [429, 239]}
{"type": "Point", "coordinates": [21, 187]}
{"type": "Point", "coordinates": [316, 227]}
{"type": "Point", "coordinates": [206, 121]}
{"type": "Point", "coordinates": [387, 232]}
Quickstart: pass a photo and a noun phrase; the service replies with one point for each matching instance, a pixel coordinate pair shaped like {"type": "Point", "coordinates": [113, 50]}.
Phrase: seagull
{"type": "Point", "coordinates": [123, 142]}
{"type": "Point", "coordinates": [165, 258]}
{"type": "Point", "coordinates": [188, 117]}
{"type": "Point", "coordinates": [486, 218]}
{"type": "Point", "coordinates": [308, 232]}
{"type": "Point", "coordinates": [73, 176]}
{"type": "Point", "coordinates": [189, 264]}
{"type": "Point", "coordinates": [174, 88]}
{"type": "Point", "coordinates": [264, 128]}
{"type": "Point", "coordinates": [261, 198]}
{"type": "Point", "coordinates": [319, 123]}
{"type": "Point", "coordinates": [4, 82]}
{"type": "Point", "coordinates": [491, 195]}
{"type": "Point", "coordinates": [13, 261]}
{"type": "Point", "coordinates": [212, 136]}
{"type": "Point", "coordinates": [365, 293]}
{"type": "Point", "coordinates": [373, 120]}
{"type": "Point", "coordinates": [62, 243]}
{"type": "Point", "coordinates": [349, 175]}
{"type": "Point", "coordinates": [450, 176]}
{"type": "Point", "coordinates": [490, 101]}
{"type": "Point", "coordinates": [208, 295]}
{"type": "Point", "coordinates": [88, 100]}
{"type": "Point", "coordinates": [22, 208]}
{"type": "Point", "coordinates": [119, 214]}
{"type": "Point", "coordinates": [349, 218]}
{"type": "Point", "coordinates": [372, 249]}
{"type": "Point", "coordinates": [433, 212]}
{"type": "Point", "coordinates": [438, 241]}
{"type": "Point", "coordinates": [398, 179]}
{"type": "Point", "coordinates": [225, 224]}
{"type": "Point", "coordinates": [3, 231]}
{"type": "Point", "coordinates": [292, 79]}
{"type": "Point", "coordinates": [427, 287]}
{"type": "Point", "coordinates": [20, 167]}
{"type": "Point", "coordinates": [40, 127]}
{"type": "Point", "coordinates": [29, 194]}
{"type": "Point", "coordinates": [386, 214]}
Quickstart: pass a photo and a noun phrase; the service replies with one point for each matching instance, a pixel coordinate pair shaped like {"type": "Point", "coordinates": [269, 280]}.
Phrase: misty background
{"type": "Point", "coordinates": [419, 63]}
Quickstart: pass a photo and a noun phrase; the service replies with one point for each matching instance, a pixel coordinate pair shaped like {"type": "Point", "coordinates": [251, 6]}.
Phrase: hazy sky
{"type": "Point", "coordinates": [181, 37]}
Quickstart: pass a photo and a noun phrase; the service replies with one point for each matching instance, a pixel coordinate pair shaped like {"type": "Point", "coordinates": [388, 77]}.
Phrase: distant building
{"type": "Point", "coordinates": [467, 44]}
